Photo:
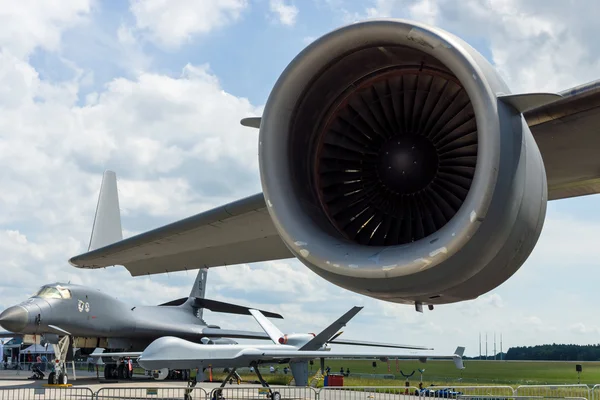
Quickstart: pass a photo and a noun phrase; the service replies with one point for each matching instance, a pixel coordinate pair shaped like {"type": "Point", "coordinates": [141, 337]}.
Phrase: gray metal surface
{"type": "Point", "coordinates": [481, 246]}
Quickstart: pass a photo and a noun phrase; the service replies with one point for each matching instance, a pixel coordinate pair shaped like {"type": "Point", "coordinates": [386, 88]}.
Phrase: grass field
{"type": "Point", "coordinates": [476, 372]}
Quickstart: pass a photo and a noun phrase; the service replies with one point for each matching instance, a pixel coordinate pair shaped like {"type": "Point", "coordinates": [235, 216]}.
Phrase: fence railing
{"type": "Point", "coordinates": [234, 392]}
{"type": "Point", "coordinates": [47, 393]}
{"type": "Point", "coordinates": [180, 392]}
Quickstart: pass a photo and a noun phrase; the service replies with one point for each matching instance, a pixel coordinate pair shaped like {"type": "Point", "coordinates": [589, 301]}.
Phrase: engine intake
{"type": "Point", "coordinates": [390, 167]}
{"type": "Point", "coordinates": [396, 156]}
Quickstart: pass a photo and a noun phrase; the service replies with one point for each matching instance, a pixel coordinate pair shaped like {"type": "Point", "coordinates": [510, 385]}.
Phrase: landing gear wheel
{"type": "Point", "coordinates": [52, 378]}
{"type": "Point", "coordinates": [120, 371]}
{"type": "Point", "coordinates": [275, 396]}
{"type": "Point", "coordinates": [62, 379]}
{"type": "Point", "coordinates": [217, 395]}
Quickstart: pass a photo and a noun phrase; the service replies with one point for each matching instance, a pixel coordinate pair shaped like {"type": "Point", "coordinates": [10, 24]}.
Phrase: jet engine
{"type": "Point", "coordinates": [393, 165]}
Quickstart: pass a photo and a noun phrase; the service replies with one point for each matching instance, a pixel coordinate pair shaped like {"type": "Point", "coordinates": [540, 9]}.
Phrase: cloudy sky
{"type": "Point", "coordinates": [154, 90]}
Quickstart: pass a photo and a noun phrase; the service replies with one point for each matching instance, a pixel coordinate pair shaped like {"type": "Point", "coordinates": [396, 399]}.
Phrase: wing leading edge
{"type": "Point", "coordinates": [565, 130]}
{"type": "Point", "coordinates": [272, 355]}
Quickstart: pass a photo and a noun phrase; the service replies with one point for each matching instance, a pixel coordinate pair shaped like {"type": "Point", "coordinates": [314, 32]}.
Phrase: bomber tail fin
{"type": "Point", "coordinates": [199, 289]}
{"type": "Point", "coordinates": [107, 221]}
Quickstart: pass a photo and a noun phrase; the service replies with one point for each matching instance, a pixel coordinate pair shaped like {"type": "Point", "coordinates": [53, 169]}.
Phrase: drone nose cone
{"type": "Point", "coordinates": [14, 319]}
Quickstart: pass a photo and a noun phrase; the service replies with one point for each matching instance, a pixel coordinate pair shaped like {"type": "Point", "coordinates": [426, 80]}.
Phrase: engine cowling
{"type": "Point", "coordinates": [391, 168]}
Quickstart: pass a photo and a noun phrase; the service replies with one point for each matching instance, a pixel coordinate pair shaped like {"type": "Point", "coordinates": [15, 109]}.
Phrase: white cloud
{"type": "Point", "coordinates": [536, 45]}
{"type": "Point", "coordinates": [28, 24]}
{"type": "Point", "coordinates": [285, 13]}
{"type": "Point", "coordinates": [172, 23]}
{"type": "Point", "coordinates": [155, 125]}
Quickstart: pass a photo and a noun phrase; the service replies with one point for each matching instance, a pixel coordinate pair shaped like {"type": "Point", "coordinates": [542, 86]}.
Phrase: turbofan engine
{"type": "Point", "coordinates": [392, 166]}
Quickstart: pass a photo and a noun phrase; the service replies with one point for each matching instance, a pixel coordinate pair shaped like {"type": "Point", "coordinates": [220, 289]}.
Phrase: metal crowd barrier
{"type": "Point", "coordinates": [554, 391]}
{"type": "Point", "coordinates": [68, 393]}
{"type": "Point", "coordinates": [253, 392]}
{"type": "Point", "coordinates": [523, 392]}
{"type": "Point", "coordinates": [126, 393]}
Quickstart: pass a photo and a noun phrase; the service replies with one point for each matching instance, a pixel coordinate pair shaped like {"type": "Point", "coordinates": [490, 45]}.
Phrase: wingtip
{"type": "Point", "coordinates": [460, 351]}
{"type": "Point", "coordinates": [273, 315]}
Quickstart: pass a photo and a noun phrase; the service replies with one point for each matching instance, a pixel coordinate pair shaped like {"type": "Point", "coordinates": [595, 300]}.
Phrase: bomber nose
{"type": "Point", "coordinates": [14, 319]}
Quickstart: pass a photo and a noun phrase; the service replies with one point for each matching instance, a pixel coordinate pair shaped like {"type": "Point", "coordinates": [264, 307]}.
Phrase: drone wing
{"type": "Point", "coordinates": [275, 355]}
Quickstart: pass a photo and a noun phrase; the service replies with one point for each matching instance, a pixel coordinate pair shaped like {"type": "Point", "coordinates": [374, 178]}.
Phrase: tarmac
{"type": "Point", "coordinates": [13, 379]}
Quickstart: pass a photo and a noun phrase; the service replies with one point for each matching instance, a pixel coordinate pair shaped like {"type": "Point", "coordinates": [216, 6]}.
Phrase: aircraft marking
{"type": "Point", "coordinates": [81, 305]}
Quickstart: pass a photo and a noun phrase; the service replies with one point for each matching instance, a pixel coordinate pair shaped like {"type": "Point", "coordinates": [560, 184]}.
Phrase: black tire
{"type": "Point", "coordinates": [52, 378]}
{"type": "Point", "coordinates": [62, 379]}
{"type": "Point", "coordinates": [275, 396]}
{"type": "Point", "coordinates": [108, 371]}
{"type": "Point", "coordinates": [121, 371]}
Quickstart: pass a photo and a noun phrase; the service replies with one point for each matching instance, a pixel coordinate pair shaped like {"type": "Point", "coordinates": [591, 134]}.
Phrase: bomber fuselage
{"type": "Point", "coordinates": [84, 312]}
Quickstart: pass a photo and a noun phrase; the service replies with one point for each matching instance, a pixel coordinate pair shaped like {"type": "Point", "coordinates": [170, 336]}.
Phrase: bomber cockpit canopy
{"type": "Point", "coordinates": [53, 292]}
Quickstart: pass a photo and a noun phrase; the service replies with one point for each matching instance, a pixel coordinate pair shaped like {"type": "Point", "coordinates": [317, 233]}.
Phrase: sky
{"type": "Point", "coordinates": [155, 89]}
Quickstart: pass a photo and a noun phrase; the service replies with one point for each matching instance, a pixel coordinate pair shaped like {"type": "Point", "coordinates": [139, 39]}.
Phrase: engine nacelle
{"type": "Point", "coordinates": [391, 168]}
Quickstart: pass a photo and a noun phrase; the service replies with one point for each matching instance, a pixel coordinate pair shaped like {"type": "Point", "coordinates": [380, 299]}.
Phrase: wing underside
{"type": "Point", "coordinates": [125, 354]}
{"type": "Point", "coordinates": [567, 132]}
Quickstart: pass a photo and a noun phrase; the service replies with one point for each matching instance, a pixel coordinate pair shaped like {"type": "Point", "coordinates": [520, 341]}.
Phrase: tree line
{"type": "Point", "coordinates": [549, 352]}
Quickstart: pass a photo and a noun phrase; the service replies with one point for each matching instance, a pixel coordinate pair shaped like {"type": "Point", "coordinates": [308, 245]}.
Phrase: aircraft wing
{"type": "Point", "coordinates": [235, 233]}
{"type": "Point", "coordinates": [377, 344]}
{"type": "Point", "coordinates": [189, 330]}
{"type": "Point", "coordinates": [123, 354]}
{"type": "Point", "coordinates": [567, 132]}
{"type": "Point", "coordinates": [228, 333]}
{"type": "Point", "coordinates": [275, 355]}
{"type": "Point", "coordinates": [6, 334]}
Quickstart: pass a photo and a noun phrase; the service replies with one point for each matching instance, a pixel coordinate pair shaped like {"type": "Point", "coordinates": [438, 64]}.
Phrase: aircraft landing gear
{"type": "Point", "coordinates": [118, 371]}
{"type": "Point", "coordinates": [272, 395]}
{"type": "Point", "coordinates": [218, 394]}
{"type": "Point", "coordinates": [59, 375]}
